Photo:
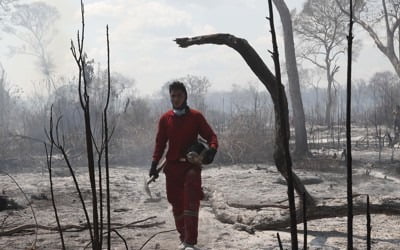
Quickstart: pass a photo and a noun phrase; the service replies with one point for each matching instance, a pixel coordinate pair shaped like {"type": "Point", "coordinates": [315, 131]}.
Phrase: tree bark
{"type": "Point", "coordinates": [301, 148]}
{"type": "Point", "coordinates": [349, 159]}
{"type": "Point", "coordinates": [263, 73]}
{"type": "Point", "coordinates": [328, 109]}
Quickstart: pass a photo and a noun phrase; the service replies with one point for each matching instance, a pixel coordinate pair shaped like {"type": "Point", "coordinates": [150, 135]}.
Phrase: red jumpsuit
{"type": "Point", "coordinates": [183, 180]}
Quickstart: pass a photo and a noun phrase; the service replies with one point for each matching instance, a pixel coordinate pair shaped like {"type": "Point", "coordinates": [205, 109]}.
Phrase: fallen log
{"type": "Point", "coordinates": [324, 208]}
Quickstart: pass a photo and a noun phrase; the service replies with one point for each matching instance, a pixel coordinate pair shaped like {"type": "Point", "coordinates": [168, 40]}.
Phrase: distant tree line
{"type": "Point", "coordinates": [243, 117]}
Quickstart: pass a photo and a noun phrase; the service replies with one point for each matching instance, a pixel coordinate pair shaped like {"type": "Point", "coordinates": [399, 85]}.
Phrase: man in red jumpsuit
{"type": "Point", "coordinates": [180, 127]}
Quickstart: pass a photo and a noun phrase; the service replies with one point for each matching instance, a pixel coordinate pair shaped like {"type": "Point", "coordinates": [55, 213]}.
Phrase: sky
{"type": "Point", "coordinates": [142, 47]}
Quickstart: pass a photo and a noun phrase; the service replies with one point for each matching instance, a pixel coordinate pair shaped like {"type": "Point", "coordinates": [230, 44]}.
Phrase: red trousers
{"type": "Point", "coordinates": [183, 181]}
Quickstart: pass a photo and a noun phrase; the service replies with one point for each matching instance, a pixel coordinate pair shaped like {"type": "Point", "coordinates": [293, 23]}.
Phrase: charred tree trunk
{"type": "Point", "coordinates": [282, 129]}
{"type": "Point", "coordinates": [328, 110]}
{"type": "Point", "coordinates": [106, 144]}
{"type": "Point", "coordinates": [294, 83]}
{"type": "Point", "coordinates": [253, 60]}
{"type": "Point", "coordinates": [368, 225]}
{"type": "Point", "coordinates": [84, 102]}
{"type": "Point", "coordinates": [304, 222]}
{"type": "Point", "coordinates": [348, 136]}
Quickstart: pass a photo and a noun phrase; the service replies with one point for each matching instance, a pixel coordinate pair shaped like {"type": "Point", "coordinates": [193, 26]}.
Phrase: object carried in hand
{"type": "Point", "coordinates": [200, 153]}
{"type": "Point", "coordinates": [153, 173]}
{"type": "Point", "coordinates": [155, 170]}
{"type": "Point", "coordinates": [209, 156]}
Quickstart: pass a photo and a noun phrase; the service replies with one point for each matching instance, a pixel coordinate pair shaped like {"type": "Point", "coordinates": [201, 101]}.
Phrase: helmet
{"type": "Point", "coordinates": [196, 151]}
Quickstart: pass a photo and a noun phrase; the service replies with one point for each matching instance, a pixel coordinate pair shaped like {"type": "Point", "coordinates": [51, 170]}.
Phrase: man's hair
{"type": "Point", "coordinates": [177, 85]}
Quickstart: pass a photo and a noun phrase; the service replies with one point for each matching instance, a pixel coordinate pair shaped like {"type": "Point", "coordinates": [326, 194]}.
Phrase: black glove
{"type": "Point", "coordinates": [209, 155]}
{"type": "Point", "coordinates": [153, 170]}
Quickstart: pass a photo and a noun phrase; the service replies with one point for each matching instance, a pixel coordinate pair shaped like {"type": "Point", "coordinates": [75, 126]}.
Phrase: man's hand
{"type": "Point", "coordinates": [209, 155]}
{"type": "Point", "coordinates": [153, 170]}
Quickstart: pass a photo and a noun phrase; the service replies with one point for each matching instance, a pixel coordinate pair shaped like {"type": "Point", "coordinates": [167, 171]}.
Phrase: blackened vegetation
{"type": "Point", "coordinates": [348, 136]}
{"type": "Point", "coordinates": [283, 125]}
{"type": "Point", "coordinates": [368, 225]}
{"type": "Point", "coordinates": [7, 203]}
{"type": "Point", "coordinates": [279, 241]}
{"type": "Point", "coordinates": [95, 225]}
{"type": "Point", "coordinates": [49, 157]}
{"type": "Point", "coordinates": [304, 222]}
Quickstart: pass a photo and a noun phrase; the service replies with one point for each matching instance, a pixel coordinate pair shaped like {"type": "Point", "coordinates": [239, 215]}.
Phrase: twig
{"type": "Point", "coordinates": [154, 235]}
{"type": "Point", "coordinates": [66, 159]}
{"type": "Point", "coordinates": [122, 238]}
{"type": "Point", "coordinates": [256, 206]}
{"type": "Point", "coordinates": [279, 241]}
{"type": "Point", "coordinates": [133, 223]}
{"type": "Point", "coordinates": [119, 235]}
{"type": "Point", "coordinates": [4, 220]}
{"type": "Point", "coordinates": [29, 226]}
{"type": "Point", "coordinates": [49, 157]}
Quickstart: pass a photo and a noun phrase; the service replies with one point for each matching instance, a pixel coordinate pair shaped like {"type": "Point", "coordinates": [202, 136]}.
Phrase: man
{"type": "Point", "coordinates": [180, 127]}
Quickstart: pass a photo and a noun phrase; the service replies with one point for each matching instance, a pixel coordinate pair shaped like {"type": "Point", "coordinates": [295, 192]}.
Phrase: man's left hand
{"type": "Point", "coordinates": [209, 156]}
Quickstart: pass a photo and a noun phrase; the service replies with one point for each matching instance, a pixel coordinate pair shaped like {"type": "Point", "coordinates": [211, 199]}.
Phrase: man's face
{"type": "Point", "coordinates": [177, 97]}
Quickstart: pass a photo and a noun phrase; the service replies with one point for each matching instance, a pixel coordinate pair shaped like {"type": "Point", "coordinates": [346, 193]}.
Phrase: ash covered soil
{"type": "Point", "coordinates": [236, 184]}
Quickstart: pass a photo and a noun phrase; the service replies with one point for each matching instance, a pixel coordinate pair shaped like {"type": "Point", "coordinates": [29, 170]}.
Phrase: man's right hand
{"type": "Point", "coordinates": [153, 170]}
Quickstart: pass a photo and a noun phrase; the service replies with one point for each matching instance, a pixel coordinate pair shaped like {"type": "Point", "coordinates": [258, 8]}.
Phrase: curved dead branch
{"type": "Point", "coordinates": [241, 45]}
{"type": "Point", "coordinates": [263, 73]}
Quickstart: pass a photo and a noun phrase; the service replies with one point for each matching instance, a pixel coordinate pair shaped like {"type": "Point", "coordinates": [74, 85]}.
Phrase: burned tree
{"type": "Point", "coordinates": [57, 141]}
{"type": "Point", "coordinates": [283, 122]}
{"type": "Point", "coordinates": [349, 159]}
{"type": "Point", "coordinates": [253, 60]}
{"type": "Point", "coordinates": [371, 15]}
{"type": "Point", "coordinates": [301, 144]}
{"type": "Point", "coordinates": [321, 27]}
{"type": "Point", "coordinates": [197, 89]}
{"type": "Point", "coordinates": [33, 24]}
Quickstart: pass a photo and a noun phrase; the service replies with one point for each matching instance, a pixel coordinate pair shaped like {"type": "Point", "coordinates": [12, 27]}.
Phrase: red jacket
{"type": "Point", "coordinates": [181, 132]}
